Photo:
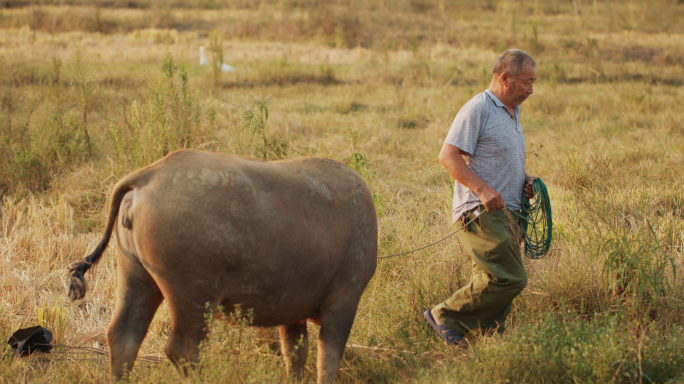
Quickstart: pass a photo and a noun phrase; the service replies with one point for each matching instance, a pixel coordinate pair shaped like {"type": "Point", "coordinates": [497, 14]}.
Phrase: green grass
{"type": "Point", "coordinates": [375, 85]}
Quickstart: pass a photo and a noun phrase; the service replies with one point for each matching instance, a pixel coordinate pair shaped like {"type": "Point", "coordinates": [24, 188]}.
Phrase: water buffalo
{"type": "Point", "coordinates": [292, 240]}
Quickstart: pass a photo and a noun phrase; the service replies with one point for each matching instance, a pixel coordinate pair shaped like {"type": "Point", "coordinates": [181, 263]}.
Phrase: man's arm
{"type": "Point", "coordinates": [452, 159]}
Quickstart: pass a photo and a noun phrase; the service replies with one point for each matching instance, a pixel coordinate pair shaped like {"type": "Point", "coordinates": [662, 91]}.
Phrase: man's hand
{"type": "Point", "coordinates": [529, 191]}
{"type": "Point", "coordinates": [491, 199]}
{"type": "Point", "coordinates": [452, 159]}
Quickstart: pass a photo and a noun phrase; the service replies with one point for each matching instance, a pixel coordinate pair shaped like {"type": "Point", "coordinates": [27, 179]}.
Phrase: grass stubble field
{"type": "Point", "coordinates": [93, 90]}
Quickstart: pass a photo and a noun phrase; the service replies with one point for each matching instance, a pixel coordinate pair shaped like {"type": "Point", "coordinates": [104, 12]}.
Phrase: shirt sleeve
{"type": "Point", "coordinates": [466, 128]}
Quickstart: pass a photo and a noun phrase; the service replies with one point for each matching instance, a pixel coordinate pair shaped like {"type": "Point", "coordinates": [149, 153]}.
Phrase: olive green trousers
{"type": "Point", "coordinates": [493, 242]}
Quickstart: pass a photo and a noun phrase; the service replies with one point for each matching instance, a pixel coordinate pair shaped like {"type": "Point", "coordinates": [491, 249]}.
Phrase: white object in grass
{"type": "Point", "coordinates": [203, 59]}
{"type": "Point", "coordinates": [226, 68]}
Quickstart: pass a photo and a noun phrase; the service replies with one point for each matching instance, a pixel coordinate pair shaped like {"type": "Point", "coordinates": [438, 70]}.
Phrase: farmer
{"type": "Point", "coordinates": [485, 153]}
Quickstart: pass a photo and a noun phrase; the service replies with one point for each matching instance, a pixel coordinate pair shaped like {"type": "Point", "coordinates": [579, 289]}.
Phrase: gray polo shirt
{"type": "Point", "coordinates": [495, 146]}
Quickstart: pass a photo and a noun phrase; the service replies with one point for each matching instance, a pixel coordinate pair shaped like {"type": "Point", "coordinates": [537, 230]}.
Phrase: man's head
{"type": "Point", "coordinates": [514, 75]}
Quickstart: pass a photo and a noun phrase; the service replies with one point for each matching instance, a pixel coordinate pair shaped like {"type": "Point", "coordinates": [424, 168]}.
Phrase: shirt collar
{"type": "Point", "coordinates": [496, 100]}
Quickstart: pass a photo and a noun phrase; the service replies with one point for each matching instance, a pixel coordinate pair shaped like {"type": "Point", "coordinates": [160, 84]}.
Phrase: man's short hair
{"type": "Point", "coordinates": [512, 62]}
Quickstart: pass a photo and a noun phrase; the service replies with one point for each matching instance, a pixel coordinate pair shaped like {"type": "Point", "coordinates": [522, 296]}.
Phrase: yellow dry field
{"type": "Point", "coordinates": [376, 86]}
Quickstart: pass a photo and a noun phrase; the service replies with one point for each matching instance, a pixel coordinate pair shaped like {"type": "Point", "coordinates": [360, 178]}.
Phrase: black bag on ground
{"type": "Point", "coordinates": [29, 340]}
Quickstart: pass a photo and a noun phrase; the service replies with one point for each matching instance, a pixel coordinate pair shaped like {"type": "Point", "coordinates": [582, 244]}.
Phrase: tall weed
{"type": "Point", "coordinates": [250, 134]}
{"type": "Point", "coordinates": [47, 148]}
{"type": "Point", "coordinates": [170, 120]}
{"type": "Point", "coordinates": [80, 65]}
{"type": "Point", "coordinates": [216, 49]}
{"type": "Point", "coordinates": [640, 269]}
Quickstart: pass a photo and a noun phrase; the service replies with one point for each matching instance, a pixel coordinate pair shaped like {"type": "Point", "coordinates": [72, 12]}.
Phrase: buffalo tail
{"type": "Point", "coordinates": [78, 287]}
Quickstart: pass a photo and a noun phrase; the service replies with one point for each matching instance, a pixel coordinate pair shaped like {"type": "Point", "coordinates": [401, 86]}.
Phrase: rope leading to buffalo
{"type": "Point", "coordinates": [477, 213]}
{"type": "Point", "coordinates": [536, 224]}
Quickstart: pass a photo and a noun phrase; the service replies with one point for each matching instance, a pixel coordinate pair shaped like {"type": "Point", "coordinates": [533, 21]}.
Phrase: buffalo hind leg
{"type": "Point", "coordinates": [138, 298]}
{"type": "Point", "coordinates": [335, 328]}
{"type": "Point", "coordinates": [188, 329]}
{"type": "Point", "coordinates": [294, 344]}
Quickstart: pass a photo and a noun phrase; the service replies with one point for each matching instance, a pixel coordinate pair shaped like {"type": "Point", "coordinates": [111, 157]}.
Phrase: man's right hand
{"type": "Point", "coordinates": [492, 200]}
{"type": "Point", "coordinates": [451, 158]}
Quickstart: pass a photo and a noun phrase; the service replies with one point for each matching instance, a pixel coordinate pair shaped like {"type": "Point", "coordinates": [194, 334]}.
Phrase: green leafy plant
{"type": "Point", "coordinates": [183, 105]}
{"type": "Point", "coordinates": [638, 268]}
{"type": "Point", "coordinates": [254, 123]}
{"type": "Point", "coordinates": [80, 65]}
{"type": "Point", "coordinates": [170, 120]}
{"type": "Point", "coordinates": [360, 164]}
{"type": "Point", "coordinates": [216, 48]}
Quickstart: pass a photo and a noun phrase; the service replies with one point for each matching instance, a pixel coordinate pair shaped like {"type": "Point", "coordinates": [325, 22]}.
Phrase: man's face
{"type": "Point", "coordinates": [520, 88]}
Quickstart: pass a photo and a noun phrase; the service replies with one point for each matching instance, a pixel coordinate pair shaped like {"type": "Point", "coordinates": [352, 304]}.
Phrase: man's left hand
{"type": "Point", "coordinates": [529, 191]}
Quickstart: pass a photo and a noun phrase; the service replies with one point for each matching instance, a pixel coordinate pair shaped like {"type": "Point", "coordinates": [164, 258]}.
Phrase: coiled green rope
{"type": "Point", "coordinates": [537, 224]}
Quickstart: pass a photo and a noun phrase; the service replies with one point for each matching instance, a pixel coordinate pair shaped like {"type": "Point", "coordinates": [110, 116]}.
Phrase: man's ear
{"type": "Point", "coordinates": [505, 79]}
